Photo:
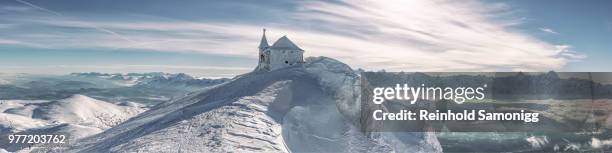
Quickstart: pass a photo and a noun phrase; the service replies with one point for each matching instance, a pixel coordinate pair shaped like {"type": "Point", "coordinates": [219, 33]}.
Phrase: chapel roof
{"type": "Point", "coordinates": [284, 43]}
{"type": "Point", "coordinates": [264, 41]}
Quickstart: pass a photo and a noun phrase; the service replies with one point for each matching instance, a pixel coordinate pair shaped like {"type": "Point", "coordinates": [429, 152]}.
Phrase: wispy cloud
{"type": "Point", "coordinates": [567, 52]}
{"type": "Point", "coordinates": [548, 30]}
{"type": "Point", "coordinates": [86, 24]}
{"type": "Point", "coordinates": [10, 8]}
{"type": "Point", "coordinates": [10, 42]}
{"type": "Point", "coordinates": [38, 7]}
{"type": "Point", "coordinates": [398, 35]}
{"type": "Point", "coordinates": [20, 43]}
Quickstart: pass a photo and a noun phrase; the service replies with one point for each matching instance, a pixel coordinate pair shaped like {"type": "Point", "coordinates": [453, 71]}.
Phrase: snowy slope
{"type": "Point", "coordinates": [78, 115]}
{"type": "Point", "coordinates": [312, 107]}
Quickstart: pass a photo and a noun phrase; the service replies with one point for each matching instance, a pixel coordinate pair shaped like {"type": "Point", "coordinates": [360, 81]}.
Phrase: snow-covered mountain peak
{"type": "Point", "coordinates": [311, 107]}
{"type": "Point", "coordinates": [84, 110]}
{"type": "Point", "coordinates": [78, 98]}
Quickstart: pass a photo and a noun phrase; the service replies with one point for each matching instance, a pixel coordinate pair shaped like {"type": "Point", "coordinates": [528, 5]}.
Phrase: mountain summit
{"type": "Point", "coordinates": [313, 107]}
{"type": "Point", "coordinates": [283, 53]}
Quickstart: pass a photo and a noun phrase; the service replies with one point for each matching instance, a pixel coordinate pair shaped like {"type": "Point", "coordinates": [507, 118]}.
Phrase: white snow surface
{"type": "Point", "coordinates": [313, 107]}
{"type": "Point", "coordinates": [78, 115]}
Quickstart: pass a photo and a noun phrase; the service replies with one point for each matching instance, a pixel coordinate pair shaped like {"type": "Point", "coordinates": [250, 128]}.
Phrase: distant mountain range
{"type": "Point", "coordinates": [147, 88]}
{"type": "Point", "coordinates": [156, 79]}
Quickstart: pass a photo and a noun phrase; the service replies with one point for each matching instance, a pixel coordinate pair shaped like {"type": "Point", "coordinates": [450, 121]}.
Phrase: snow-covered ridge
{"type": "Point", "coordinates": [312, 107]}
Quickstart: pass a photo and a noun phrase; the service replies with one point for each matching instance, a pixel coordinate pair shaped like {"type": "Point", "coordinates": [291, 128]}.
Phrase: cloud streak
{"type": "Point", "coordinates": [548, 30]}
{"type": "Point", "coordinates": [394, 35]}
{"type": "Point", "coordinates": [82, 23]}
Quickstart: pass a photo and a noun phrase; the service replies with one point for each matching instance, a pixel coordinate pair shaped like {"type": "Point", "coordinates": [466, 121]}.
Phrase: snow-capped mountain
{"type": "Point", "coordinates": [77, 115]}
{"type": "Point", "coordinates": [119, 76]}
{"type": "Point", "coordinates": [313, 107]}
{"type": "Point", "coordinates": [154, 79]}
{"type": "Point", "coordinates": [180, 80]}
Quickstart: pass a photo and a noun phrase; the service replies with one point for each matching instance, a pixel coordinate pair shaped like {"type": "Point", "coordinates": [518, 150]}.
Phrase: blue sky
{"type": "Point", "coordinates": [219, 38]}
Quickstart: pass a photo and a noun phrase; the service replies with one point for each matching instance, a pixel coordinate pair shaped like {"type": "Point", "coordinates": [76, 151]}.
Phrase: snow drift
{"type": "Point", "coordinates": [313, 107]}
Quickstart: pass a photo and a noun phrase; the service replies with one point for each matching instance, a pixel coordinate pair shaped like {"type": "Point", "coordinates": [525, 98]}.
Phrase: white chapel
{"type": "Point", "coordinates": [281, 54]}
